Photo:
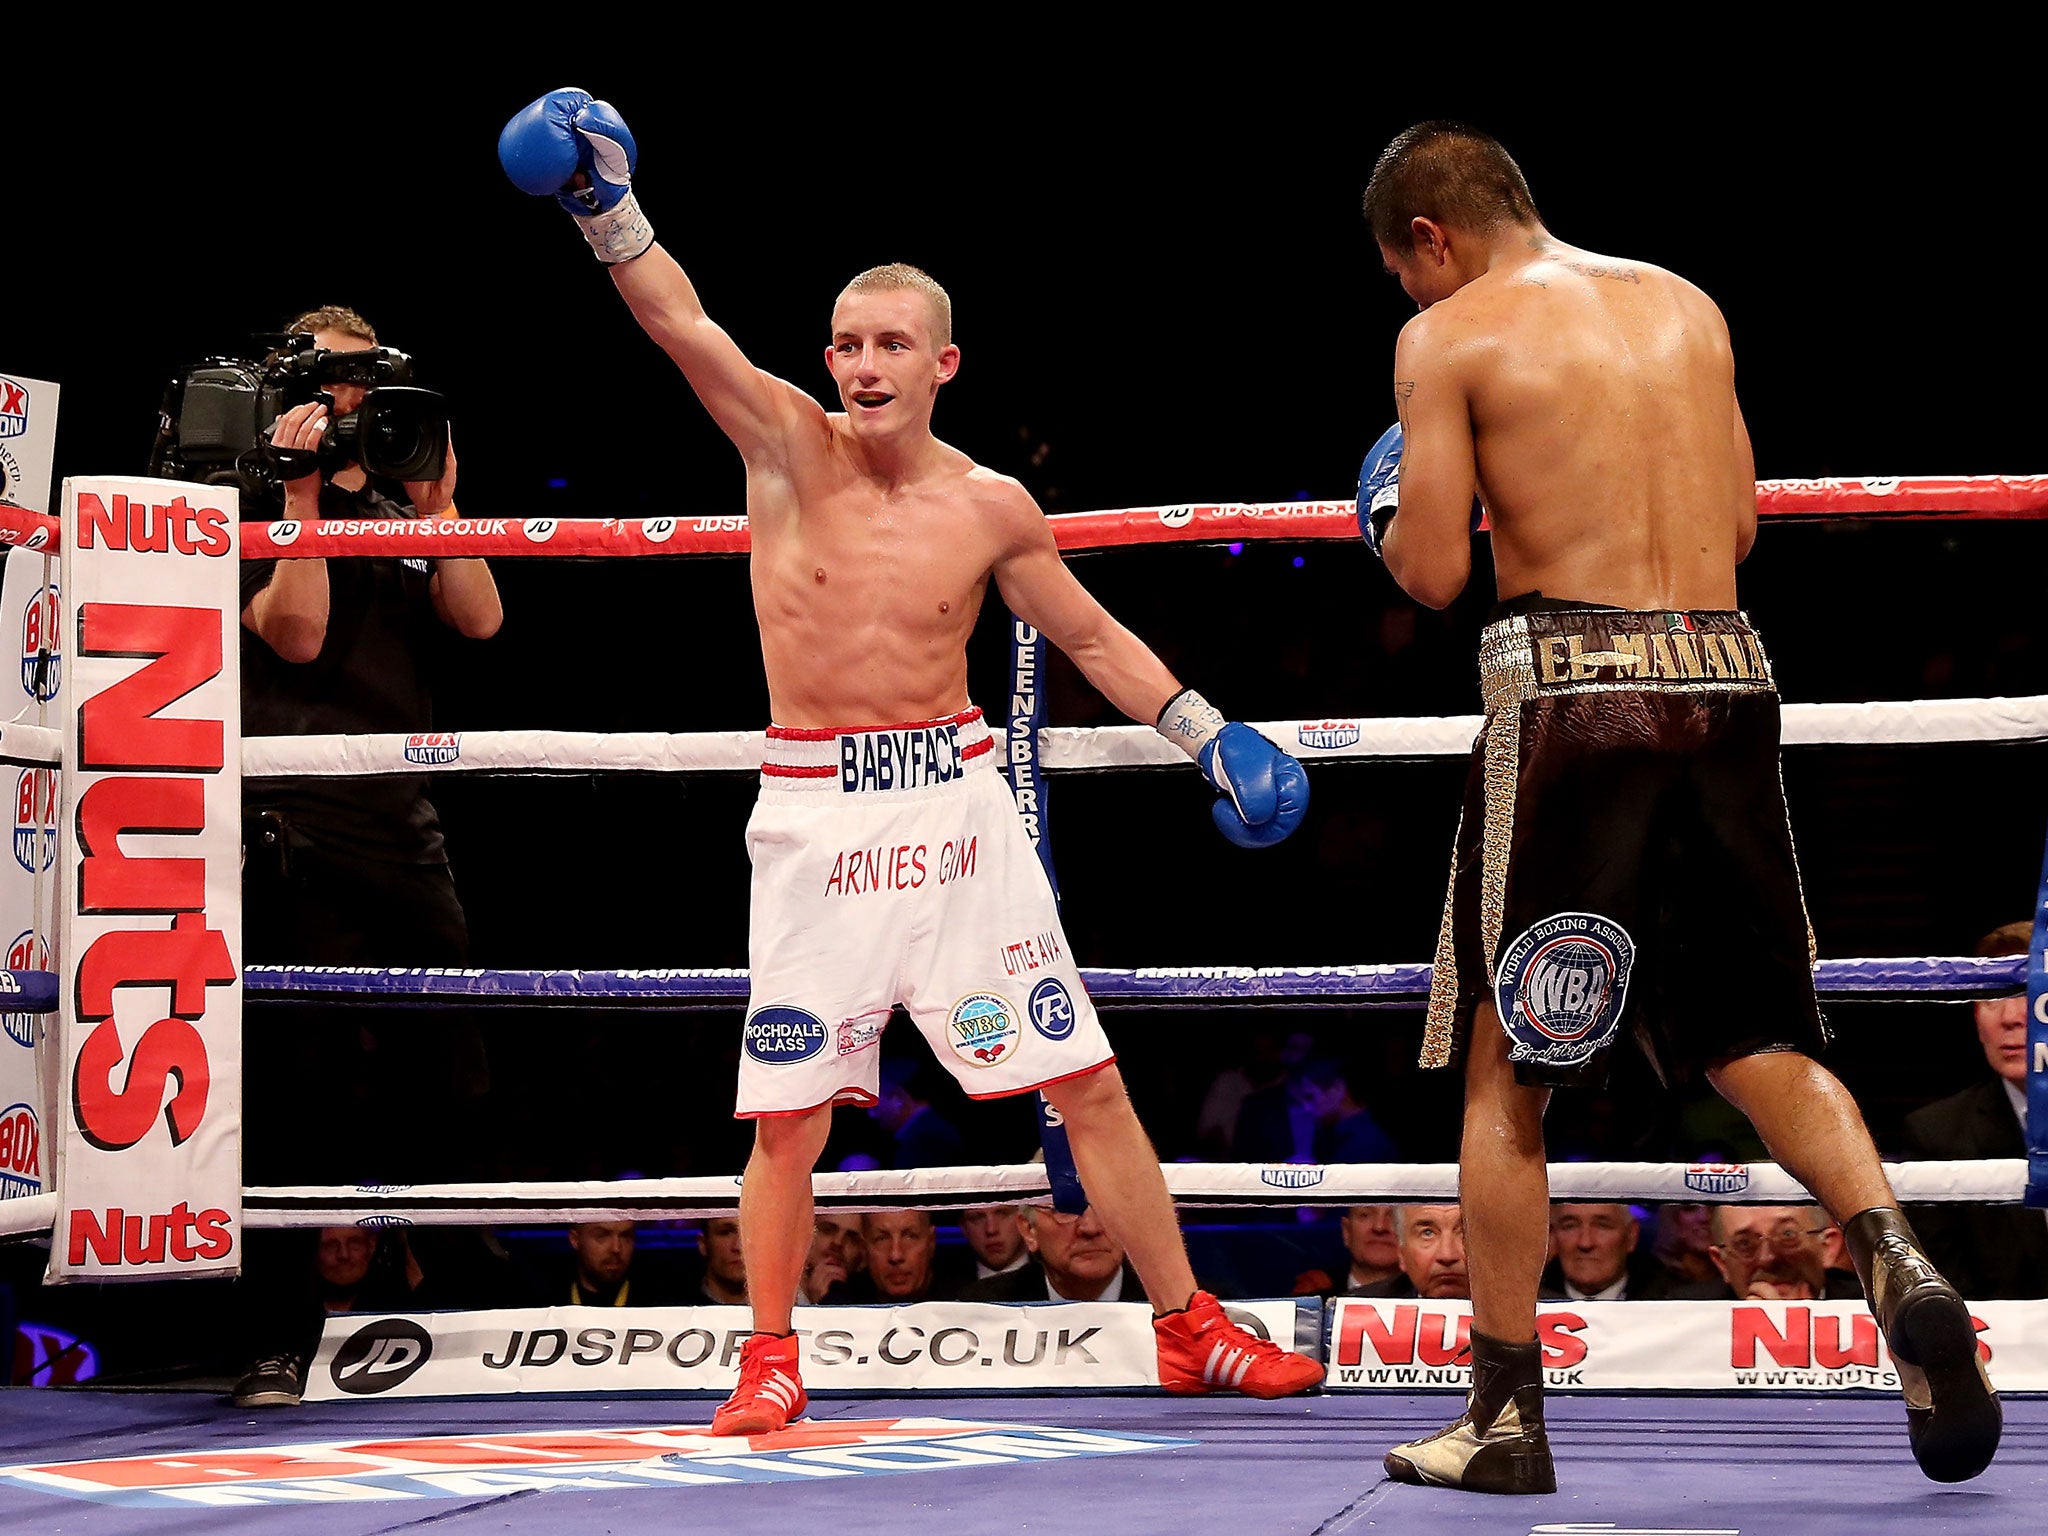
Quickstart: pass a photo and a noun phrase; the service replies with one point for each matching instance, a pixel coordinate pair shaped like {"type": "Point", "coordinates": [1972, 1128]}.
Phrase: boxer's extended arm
{"type": "Point", "coordinates": [1428, 547]}
{"type": "Point", "coordinates": [1263, 792]}
{"type": "Point", "coordinates": [579, 150]}
{"type": "Point", "coordinates": [758, 411]}
{"type": "Point", "coordinates": [1041, 591]}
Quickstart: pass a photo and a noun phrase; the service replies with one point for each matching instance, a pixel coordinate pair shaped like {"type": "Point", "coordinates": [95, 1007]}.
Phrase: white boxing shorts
{"type": "Point", "coordinates": [890, 867]}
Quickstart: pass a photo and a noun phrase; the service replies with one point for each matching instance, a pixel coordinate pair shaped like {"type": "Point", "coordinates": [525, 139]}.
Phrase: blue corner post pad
{"type": "Point", "coordinates": [2037, 1048]}
{"type": "Point", "coordinates": [28, 991]}
{"type": "Point", "coordinates": [1067, 1194]}
{"type": "Point", "coordinates": [1019, 748]}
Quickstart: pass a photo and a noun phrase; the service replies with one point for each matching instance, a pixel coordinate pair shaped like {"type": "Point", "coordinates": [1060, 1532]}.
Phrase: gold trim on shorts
{"type": "Point", "coordinates": [1569, 651]}
{"type": "Point", "coordinates": [1534, 654]}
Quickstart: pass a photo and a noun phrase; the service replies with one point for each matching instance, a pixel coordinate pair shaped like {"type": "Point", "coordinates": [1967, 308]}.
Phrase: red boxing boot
{"type": "Point", "coordinates": [1202, 1350]}
{"type": "Point", "coordinates": [770, 1392]}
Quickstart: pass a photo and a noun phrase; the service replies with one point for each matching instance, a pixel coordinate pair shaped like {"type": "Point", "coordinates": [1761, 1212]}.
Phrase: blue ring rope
{"type": "Point", "coordinates": [1335, 986]}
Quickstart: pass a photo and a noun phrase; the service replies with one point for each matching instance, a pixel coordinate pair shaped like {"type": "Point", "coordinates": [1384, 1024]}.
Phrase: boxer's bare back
{"type": "Point", "coordinates": [1591, 400]}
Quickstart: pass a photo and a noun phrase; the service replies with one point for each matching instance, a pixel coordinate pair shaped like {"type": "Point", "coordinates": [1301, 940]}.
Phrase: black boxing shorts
{"type": "Point", "coordinates": [1624, 854]}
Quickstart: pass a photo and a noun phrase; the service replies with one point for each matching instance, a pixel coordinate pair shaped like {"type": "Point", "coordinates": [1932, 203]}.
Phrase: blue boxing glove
{"type": "Point", "coordinates": [1379, 489]}
{"type": "Point", "coordinates": [1264, 792]}
{"type": "Point", "coordinates": [544, 147]}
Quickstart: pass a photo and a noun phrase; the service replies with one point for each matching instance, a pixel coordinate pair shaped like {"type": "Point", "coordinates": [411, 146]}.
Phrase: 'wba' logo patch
{"type": "Point", "coordinates": [1560, 987]}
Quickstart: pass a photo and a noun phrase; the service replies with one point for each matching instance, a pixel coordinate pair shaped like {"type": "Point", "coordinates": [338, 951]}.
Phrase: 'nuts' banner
{"type": "Point", "coordinates": [1718, 1346]}
{"type": "Point", "coordinates": [147, 1135]}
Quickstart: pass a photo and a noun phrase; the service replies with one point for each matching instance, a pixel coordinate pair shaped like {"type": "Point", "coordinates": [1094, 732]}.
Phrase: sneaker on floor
{"type": "Point", "coordinates": [770, 1392]}
{"type": "Point", "coordinates": [275, 1381]}
{"type": "Point", "coordinates": [1202, 1350]}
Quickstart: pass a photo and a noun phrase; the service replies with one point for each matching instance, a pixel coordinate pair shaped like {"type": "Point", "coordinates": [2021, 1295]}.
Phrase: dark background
{"type": "Point", "coordinates": [1164, 292]}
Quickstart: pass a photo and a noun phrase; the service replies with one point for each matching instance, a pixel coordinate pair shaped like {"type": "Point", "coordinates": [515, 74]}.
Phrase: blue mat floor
{"type": "Point", "coordinates": [164, 1462]}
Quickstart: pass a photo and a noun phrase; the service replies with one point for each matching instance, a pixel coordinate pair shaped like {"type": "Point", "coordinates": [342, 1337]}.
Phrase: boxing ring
{"type": "Point", "coordinates": [1675, 1457]}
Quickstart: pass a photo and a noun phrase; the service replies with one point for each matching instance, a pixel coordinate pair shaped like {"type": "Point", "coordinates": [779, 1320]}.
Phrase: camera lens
{"type": "Point", "coordinates": [402, 433]}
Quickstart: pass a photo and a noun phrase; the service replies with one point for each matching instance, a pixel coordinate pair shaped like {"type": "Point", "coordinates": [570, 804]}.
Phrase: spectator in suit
{"type": "Point", "coordinates": [1433, 1250]}
{"type": "Point", "coordinates": [1989, 1252]}
{"type": "Point", "coordinates": [1076, 1260]}
{"type": "Point", "coordinates": [903, 1263]}
{"type": "Point", "coordinates": [1599, 1257]}
{"type": "Point", "coordinates": [995, 1236]}
{"type": "Point", "coordinates": [1430, 1244]}
{"type": "Point", "coordinates": [1778, 1253]}
{"type": "Point", "coordinates": [1371, 1246]}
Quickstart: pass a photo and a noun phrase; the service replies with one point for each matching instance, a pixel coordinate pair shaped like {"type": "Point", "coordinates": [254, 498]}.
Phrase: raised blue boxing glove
{"type": "Point", "coordinates": [546, 144]}
{"type": "Point", "coordinates": [1379, 489]}
{"type": "Point", "coordinates": [1264, 792]}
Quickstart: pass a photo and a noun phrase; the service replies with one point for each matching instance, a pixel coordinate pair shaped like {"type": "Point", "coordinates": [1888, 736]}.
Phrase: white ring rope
{"type": "Point", "coordinates": [31, 743]}
{"type": "Point", "coordinates": [1898, 723]}
{"type": "Point", "coordinates": [1997, 1181]}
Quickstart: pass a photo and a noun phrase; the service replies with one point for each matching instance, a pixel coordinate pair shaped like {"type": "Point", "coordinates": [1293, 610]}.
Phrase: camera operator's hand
{"type": "Point", "coordinates": [436, 498]}
{"type": "Point", "coordinates": [295, 439]}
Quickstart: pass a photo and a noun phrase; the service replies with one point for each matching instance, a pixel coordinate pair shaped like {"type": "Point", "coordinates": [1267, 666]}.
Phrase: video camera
{"type": "Point", "coordinates": [214, 424]}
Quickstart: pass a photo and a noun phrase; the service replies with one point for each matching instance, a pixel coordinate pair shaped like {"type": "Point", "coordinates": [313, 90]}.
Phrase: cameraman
{"type": "Point", "coordinates": [349, 871]}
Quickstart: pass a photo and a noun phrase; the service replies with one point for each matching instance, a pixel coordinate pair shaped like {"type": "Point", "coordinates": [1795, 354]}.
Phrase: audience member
{"type": "Point", "coordinates": [1277, 1122]}
{"type": "Point", "coordinates": [1372, 1247]}
{"type": "Point", "coordinates": [1988, 1252]}
{"type": "Point", "coordinates": [1341, 1129]}
{"type": "Point", "coordinates": [1432, 1241]}
{"type": "Point", "coordinates": [1684, 1244]}
{"type": "Point", "coordinates": [838, 1256]}
{"type": "Point", "coordinates": [1077, 1260]}
{"type": "Point", "coordinates": [995, 1236]}
{"type": "Point", "coordinates": [923, 1137]}
{"type": "Point", "coordinates": [1264, 1066]}
{"type": "Point", "coordinates": [1777, 1253]}
{"type": "Point", "coordinates": [603, 1253]}
{"type": "Point", "coordinates": [903, 1252]}
{"type": "Point", "coordinates": [353, 1269]}
{"type": "Point", "coordinates": [725, 1271]}
{"type": "Point", "coordinates": [902, 1263]}
{"type": "Point", "coordinates": [610, 1267]}
{"type": "Point", "coordinates": [1599, 1258]}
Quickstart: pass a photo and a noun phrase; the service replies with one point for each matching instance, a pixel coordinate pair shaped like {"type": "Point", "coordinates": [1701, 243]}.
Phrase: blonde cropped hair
{"type": "Point", "coordinates": [898, 277]}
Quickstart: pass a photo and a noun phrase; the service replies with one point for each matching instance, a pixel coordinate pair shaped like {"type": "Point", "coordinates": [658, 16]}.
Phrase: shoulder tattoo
{"type": "Point", "coordinates": [1612, 273]}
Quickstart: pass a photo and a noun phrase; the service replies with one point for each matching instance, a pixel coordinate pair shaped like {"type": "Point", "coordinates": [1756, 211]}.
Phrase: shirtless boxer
{"type": "Point", "coordinates": [889, 863]}
{"type": "Point", "coordinates": [1624, 850]}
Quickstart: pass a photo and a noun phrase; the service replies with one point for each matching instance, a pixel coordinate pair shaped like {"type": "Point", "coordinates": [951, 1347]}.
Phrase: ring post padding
{"type": "Point", "coordinates": [1021, 745]}
{"type": "Point", "coordinates": [2037, 1048]}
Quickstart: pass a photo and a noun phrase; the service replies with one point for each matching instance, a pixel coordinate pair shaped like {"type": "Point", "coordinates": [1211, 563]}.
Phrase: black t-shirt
{"type": "Point", "coordinates": [369, 678]}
